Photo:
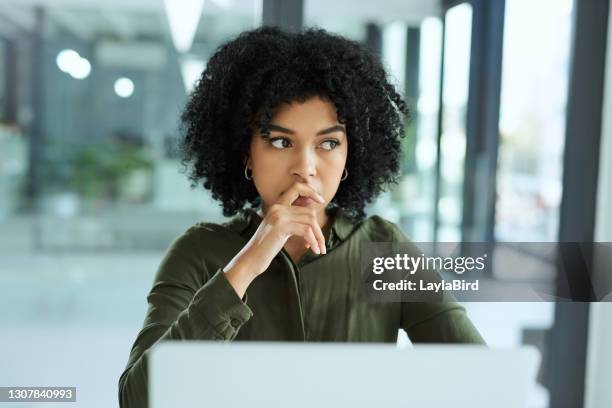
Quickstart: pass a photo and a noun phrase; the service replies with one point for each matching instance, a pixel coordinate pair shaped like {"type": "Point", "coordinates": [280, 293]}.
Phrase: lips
{"type": "Point", "coordinates": [303, 201]}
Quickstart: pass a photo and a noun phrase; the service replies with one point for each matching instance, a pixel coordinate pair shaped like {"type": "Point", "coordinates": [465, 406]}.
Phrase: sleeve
{"type": "Point", "coordinates": [184, 303]}
{"type": "Point", "coordinates": [442, 321]}
{"type": "Point", "coordinates": [438, 323]}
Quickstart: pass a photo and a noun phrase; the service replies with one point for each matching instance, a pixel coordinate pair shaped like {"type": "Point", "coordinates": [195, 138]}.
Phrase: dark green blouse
{"type": "Point", "coordinates": [317, 299]}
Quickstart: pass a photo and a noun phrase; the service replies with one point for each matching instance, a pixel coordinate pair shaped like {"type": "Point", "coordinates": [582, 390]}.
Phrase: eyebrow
{"type": "Point", "coordinates": [335, 128]}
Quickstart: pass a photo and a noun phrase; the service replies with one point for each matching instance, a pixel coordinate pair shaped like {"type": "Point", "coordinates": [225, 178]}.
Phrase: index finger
{"type": "Point", "coordinates": [300, 189]}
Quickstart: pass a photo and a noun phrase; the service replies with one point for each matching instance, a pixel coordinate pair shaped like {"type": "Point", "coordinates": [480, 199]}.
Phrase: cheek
{"type": "Point", "coordinates": [262, 159]}
{"type": "Point", "coordinates": [338, 158]}
{"type": "Point", "coordinates": [273, 169]}
{"type": "Point", "coordinates": [333, 166]}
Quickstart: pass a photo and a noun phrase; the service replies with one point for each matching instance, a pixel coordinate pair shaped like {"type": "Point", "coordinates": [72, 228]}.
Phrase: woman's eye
{"type": "Point", "coordinates": [331, 143]}
{"type": "Point", "coordinates": [279, 142]}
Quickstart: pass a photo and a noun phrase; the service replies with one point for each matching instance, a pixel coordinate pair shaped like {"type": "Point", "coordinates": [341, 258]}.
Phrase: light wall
{"type": "Point", "coordinates": [599, 364]}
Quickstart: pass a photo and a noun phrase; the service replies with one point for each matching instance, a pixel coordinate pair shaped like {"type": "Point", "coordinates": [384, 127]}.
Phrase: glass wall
{"type": "Point", "coordinates": [532, 119]}
{"type": "Point", "coordinates": [98, 121]}
{"type": "Point", "coordinates": [421, 181]}
{"type": "Point", "coordinates": [535, 78]}
{"type": "Point", "coordinates": [455, 86]}
{"type": "Point", "coordinates": [96, 88]}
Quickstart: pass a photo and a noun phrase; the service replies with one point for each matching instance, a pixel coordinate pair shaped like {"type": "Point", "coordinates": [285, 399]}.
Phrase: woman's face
{"type": "Point", "coordinates": [306, 144]}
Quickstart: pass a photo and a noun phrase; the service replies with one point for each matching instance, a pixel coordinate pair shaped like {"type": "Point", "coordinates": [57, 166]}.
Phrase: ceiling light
{"type": "Point", "coordinates": [124, 87]}
{"type": "Point", "coordinates": [81, 69]}
{"type": "Point", "coordinates": [191, 70]}
{"type": "Point", "coordinates": [183, 18]}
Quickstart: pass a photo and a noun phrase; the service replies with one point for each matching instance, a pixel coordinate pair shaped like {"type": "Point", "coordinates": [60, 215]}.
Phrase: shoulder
{"type": "Point", "coordinates": [380, 229]}
{"type": "Point", "coordinates": [209, 234]}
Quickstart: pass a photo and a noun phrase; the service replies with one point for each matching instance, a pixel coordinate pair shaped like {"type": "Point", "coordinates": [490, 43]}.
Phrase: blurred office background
{"type": "Point", "coordinates": [511, 141]}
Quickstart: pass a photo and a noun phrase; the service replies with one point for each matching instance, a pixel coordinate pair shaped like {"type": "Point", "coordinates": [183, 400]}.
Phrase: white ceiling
{"type": "Point", "coordinates": [127, 19]}
{"type": "Point", "coordinates": [131, 19]}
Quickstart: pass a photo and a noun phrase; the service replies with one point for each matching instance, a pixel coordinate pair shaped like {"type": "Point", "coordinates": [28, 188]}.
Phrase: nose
{"type": "Point", "coordinates": [305, 164]}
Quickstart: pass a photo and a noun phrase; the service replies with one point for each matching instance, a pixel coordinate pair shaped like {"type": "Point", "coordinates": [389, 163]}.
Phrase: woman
{"type": "Point", "coordinates": [306, 129]}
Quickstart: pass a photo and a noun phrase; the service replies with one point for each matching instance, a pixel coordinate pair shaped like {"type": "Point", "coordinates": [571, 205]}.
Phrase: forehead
{"type": "Point", "coordinates": [313, 112]}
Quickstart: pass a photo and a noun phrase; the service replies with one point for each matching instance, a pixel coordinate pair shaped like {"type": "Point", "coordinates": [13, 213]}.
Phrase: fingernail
{"type": "Point", "coordinates": [321, 199]}
{"type": "Point", "coordinates": [317, 251]}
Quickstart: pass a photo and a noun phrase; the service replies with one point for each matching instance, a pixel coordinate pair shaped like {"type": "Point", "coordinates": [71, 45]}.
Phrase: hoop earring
{"type": "Point", "coordinates": [344, 175]}
{"type": "Point", "coordinates": [245, 173]}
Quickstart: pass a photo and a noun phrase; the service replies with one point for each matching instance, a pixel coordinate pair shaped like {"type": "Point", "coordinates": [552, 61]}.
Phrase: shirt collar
{"type": "Point", "coordinates": [248, 220]}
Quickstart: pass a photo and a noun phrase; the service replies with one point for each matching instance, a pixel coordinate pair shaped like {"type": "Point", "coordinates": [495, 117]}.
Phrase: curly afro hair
{"type": "Point", "coordinates": [249, 76]}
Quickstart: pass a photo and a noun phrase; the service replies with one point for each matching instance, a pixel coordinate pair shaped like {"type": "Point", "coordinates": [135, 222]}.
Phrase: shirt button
{"type": "Point", "coordinates": [235, 323]}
